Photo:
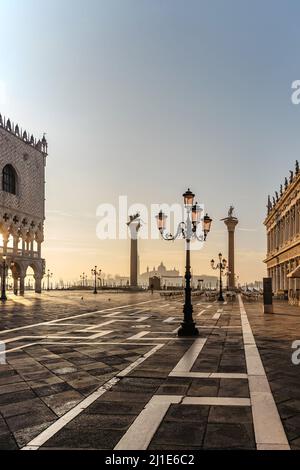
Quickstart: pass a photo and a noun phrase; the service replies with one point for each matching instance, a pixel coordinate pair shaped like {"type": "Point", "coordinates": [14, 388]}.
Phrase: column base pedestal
{"type": "Point", "coordinates": [268, 309]}
{"type": "Point", "coordinates": [188, 329]}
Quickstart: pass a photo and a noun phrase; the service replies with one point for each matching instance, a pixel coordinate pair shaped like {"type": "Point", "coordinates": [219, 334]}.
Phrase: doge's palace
{"type": "Point", "coordinates": [22, 202]}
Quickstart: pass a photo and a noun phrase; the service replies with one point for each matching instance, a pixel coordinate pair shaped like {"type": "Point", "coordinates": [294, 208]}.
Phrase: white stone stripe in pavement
{"type": "Point", "coordinates": [169, 320]}
{"type": "Point", "coordinates": [267, 424]}
{"type": "Point", "coordinates": [186, 362]}
{"type": "Point", "coordinates": [112, 314]}
{"type": "Point", "coordinates": [139, 335]}
{"type": "Point", "coordinates": [216, 401]}
{"type": "Point", "coordinates": [167, 338]}
{"type": "Point", "coordinates": [140, 360]}
{"type": "Point", "coordinates": [216, 316]}
{"type": "Point", "coordinates": [200, 313]}
{"type": "Point", "coordinates": [99, 325]}
{"type": "Point", "coordinates": [74, 316]}
{"type": "Point", "coordinates": [45, 435]}
{"type": "Point", "coordinates": [53, 336]}
{"type": "Point", "coordinates": [142, 430]}
{"type": "Point", "coordinates": [18, 347]}
{"type": "Point", "coordinates": [100, 334]}
{"type": "Point", "coordinates": [131, 314]}
{"type": "Point", "coordinates": [209, 375]}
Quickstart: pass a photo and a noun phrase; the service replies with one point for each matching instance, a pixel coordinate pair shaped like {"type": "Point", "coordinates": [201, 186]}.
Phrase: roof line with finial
{"type": "Point", "coordinates": [14, 129]}
{"type": "Point", "coordinates": [289, 183]}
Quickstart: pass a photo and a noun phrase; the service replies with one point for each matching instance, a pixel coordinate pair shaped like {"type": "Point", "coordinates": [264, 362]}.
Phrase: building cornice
{"type": "Point", "coordinates": [11, 128]}
{"type": "Point", "coordinates": [290, 193]}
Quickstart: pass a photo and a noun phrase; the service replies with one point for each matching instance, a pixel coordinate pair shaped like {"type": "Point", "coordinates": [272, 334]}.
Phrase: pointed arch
{"type": "Point", "coordinates": [9, 179]}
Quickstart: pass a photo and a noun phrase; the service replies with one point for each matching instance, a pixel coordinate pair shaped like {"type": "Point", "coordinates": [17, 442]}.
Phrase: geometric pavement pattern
{"type": "Point", "coordinates": [109, 372]}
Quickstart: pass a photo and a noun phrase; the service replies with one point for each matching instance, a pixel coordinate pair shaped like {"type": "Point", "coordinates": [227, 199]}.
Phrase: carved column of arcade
{"type": "Point", "coordinates": [5, 236]}
{"type": "Point", "coordinates": [23, 232]}
{"type": "Point", "coordinates": [39, 238]}
{"type": "Point", "coordinates": [15, 275]}
{"type": "Point", "coordinates": [38, 276]}
{"type": "Point", "coordinates": [22, 275]}
{"type": "Point", "coordinates": [29, 240]}
{"type": "Point", "coordinates": [14, 230]}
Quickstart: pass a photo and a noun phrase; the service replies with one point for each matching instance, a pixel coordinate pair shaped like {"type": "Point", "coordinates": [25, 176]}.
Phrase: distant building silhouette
{"type": "Point", "coordinates": [172, 278]}
{"type": "Point", "coordinates": [160, 271]}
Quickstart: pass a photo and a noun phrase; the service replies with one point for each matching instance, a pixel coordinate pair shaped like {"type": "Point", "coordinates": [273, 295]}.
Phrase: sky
{"type": "Point", "coordinates": [145, 98]}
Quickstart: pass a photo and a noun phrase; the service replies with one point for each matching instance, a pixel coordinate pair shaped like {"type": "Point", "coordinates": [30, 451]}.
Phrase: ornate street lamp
{"type": "Point", "coordinates": [83, 279]}
{"type": "Point", "coordinates": [221, 266]}
{"type": "Point", "coordinates": [188, 231]}
{"type": "Point", "coordinates": [48, 276]}
{"type": "Point", "coordinates": [3, 283]}
{"type": "Point", "coordinates": [96, 275]}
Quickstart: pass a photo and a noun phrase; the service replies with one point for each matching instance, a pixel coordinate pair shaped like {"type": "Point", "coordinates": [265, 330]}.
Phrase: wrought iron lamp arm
{"type": "Point", "coordinates": [180, 231]}
{"type": "Point", "coordinates": [200, 238]}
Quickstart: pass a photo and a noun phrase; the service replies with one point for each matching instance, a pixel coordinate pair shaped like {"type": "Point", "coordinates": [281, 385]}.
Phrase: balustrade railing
{"type": "Point", "coordinates": [19, 253]}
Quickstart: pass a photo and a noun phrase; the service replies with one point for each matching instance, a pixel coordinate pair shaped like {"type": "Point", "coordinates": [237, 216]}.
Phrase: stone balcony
{"type": "Point", "coordinates": [19, 253]}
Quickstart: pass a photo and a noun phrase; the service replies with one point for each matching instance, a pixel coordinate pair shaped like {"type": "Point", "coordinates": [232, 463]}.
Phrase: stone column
{"type": "Point", "coordinates": [38, 284]}
{"type": "Point", "coordinates": [134, 226]}
{"type": "Point", "coordinates": [133, 262]}
{"type": "Point", "coordinates": [15, 244]}
{"type": "Point", "coordinates": [16, 278]}
{"type": "Point", "coordinates": [5, 236]}
{"type": "Point", "coordinates": [22, 284]}
{"type": "Point", "coordinates": [231, 223]}
{"type": "Point", "coordinates": [284, 276]}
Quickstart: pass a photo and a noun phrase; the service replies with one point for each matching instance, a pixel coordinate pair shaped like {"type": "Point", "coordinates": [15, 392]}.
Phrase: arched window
{"type": "Point", "coordinates": [9, 179]}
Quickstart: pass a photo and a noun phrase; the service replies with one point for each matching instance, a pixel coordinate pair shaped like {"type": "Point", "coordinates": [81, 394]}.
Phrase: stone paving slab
{"type": "Point", "coordinates": [43, 383]}
{"type": "Point", "coordinates": [274, 334]}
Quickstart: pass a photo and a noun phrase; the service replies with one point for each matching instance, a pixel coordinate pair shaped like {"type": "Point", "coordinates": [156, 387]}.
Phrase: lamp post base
{"type": "Point", "coordinates": [220, 298]}
{"type": "Point", "coordinates": [3, 298]}
{"type": "Point", "coordinates": [188, 329]}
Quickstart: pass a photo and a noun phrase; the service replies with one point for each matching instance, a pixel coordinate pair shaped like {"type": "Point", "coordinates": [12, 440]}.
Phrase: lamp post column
{"type": "Point", "coordinates": [95, 284]}
{"type": "Point", "coordinates": [188, 231]}
{"type": "Point", "coordinates": [221, 298]}
{"type": "Point", "coordinates": [188, 327]}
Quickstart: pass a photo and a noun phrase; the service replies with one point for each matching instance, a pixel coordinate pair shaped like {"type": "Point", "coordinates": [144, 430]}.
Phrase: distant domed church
{"type": "Point", "coordinates": [162, 272]}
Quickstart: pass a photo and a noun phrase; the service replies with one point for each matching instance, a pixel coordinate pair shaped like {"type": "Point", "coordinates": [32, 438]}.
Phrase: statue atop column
{"type": "Point", "coordinates": [230, 211]}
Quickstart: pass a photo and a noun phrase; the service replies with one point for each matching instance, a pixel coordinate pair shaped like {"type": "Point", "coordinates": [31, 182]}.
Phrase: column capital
{"type": "Point", "coordinates": [231, 223]}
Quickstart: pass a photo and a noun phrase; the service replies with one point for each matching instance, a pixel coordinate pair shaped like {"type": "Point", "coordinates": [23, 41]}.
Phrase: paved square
{"type": "Point", "coordinates": [109, 372]}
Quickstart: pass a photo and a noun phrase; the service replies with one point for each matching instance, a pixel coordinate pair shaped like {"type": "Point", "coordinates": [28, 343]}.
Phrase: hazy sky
{"type": "Point", "coordinates": [147, 97]}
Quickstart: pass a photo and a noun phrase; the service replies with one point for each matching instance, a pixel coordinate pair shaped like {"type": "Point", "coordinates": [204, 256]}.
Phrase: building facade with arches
{"type": "Point", "coordinates": [22, 203]}
{"type": "Point", "coordinates": [283, 238]}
